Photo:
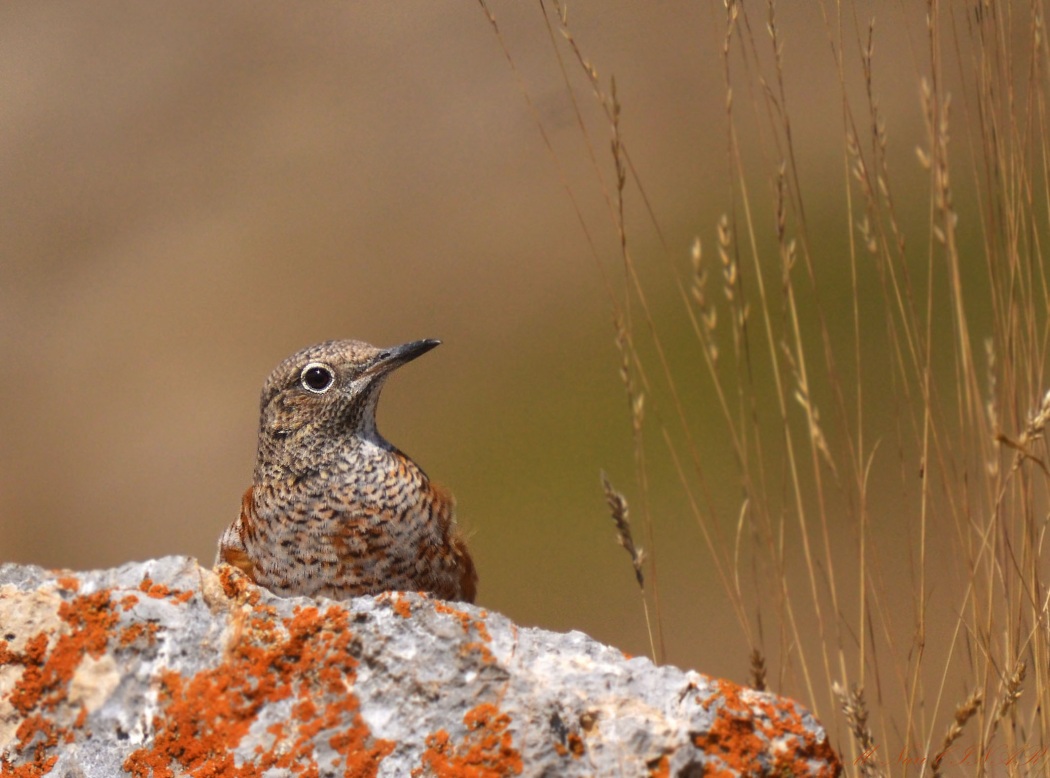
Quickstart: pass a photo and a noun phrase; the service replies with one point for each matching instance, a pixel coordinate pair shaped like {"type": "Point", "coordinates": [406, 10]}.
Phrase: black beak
{"type": "Point", "coordinates": [392, 358]}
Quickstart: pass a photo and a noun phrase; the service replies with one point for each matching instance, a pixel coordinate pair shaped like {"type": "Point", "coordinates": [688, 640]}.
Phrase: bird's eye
{"type": "Point", "coordinates": [316, 378]}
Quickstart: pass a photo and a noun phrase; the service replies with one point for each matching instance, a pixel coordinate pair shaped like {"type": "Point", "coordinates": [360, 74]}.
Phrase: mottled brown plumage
{"type": "Point", "coordinates": [335, 510]}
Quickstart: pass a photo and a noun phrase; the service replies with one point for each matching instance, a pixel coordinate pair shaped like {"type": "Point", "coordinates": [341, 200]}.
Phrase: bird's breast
{"type": "Point", "coordinates": [360, 524]}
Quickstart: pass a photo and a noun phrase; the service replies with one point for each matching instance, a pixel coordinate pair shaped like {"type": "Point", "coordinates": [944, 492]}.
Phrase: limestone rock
{"type": "Point", "coordinates": [163, 668]}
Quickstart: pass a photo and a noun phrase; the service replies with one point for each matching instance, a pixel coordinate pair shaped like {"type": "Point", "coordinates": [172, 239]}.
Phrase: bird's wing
{"type": "Point", "coordinates": [232, 550]}
{"type": "Point", "coordinates": [468, 574]}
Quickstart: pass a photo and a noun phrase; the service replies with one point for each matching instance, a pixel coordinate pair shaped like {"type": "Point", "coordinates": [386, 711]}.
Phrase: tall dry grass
{"type": "Point", "coordinates": [884, 404]}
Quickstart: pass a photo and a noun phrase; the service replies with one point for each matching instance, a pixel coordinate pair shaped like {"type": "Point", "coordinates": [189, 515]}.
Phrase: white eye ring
{"type": "Point", "coordinates": [317, 377]}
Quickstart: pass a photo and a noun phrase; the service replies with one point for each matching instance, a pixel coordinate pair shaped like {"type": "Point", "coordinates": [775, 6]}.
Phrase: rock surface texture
{"type": "Point", "coordinates": [163, 668]}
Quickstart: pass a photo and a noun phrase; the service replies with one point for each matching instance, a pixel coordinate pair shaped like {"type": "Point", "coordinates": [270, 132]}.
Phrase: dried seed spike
{"type": "Point", "coordinates": [856, 712]}
{"type": "Point", "coordinates": [963, 714]}
{"type": "Point", "coordinates": [619, 512]}
{"type": "Point", "coordinates": [758, 670]}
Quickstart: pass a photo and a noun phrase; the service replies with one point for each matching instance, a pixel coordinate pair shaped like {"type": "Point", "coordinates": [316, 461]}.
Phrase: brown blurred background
{"type": "Point", "coordinates": [190, 192]}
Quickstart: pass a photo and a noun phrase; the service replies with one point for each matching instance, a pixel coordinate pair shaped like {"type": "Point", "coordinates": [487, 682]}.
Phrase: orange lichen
{"type": "Point", "coordinates": [30, 770]}
{"type": "Point", "coordinates": [48, 662]}
{"type": "Point", "coordinates": [237, 586]}
{"type": "Point", "coordinates": [575, 745]}
{"type": "Point", "coordinates": [48, 669]}
{"type": "Point", "coordinates": [398, 602]}
{"type": "Point", "coordinates": [161, 592]}
{"type": "Point", "coordinates": [738, 737]}
{"type": "Point", "coordinates": [572, 745]}
{"type": "Point", "coordinates": [567, 741]}
{"type": "Point", "coordinates": [69, 583]}
{"type": "Point", "coordinates": [38, 735]}
{"type": "Point", "coordinates": [308, 658]}
{"type": "Point", "coordinates": [470, 624]}
{"type": "Point", "coordinates": [92, 618]}
{"type": "Point", "coordinates": [661, 768]}
{"type": "Point", "coordinates": [131, 633]}
{"type": "Point", "coordinates": [487, 750]}
{"type": "Point", "coordinates": [482, 627]}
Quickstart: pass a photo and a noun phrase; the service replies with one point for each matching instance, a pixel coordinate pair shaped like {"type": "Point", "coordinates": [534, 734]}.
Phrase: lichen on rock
{"type": "Point", "coordinates": [163, 668]}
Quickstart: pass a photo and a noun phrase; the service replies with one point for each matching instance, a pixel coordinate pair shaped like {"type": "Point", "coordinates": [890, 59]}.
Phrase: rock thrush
{"type": "Point", "coordinates": [334, 509]}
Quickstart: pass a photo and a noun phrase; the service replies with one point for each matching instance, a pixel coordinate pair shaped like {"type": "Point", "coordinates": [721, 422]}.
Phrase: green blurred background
{"type": "Point", "coordinates": [190, 192]}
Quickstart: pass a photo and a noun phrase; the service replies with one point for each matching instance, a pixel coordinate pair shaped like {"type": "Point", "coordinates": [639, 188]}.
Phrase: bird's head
{"type": "Point", "coordinates": [319, 400]}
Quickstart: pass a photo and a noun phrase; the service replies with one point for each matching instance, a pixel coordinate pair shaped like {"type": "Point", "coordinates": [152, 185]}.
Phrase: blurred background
{"type": "Point", "coordinates": [190, 192]}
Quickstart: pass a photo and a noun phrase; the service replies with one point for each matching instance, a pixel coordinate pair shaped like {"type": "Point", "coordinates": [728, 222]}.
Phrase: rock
{"type": "Point", "coordinates": [163, 668]}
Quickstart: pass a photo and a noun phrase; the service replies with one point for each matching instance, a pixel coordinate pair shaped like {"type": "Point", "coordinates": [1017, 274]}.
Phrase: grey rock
{"type": "Point", "coordinates": [164, 668]}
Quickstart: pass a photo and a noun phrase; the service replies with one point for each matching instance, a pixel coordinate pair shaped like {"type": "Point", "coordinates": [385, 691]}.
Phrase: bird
{"type": "Point", "coordinates": [334, 509]}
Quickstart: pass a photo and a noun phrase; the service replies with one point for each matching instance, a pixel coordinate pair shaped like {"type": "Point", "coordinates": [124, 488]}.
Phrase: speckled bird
{"type": "Point", "coordinates": [334, 509]}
